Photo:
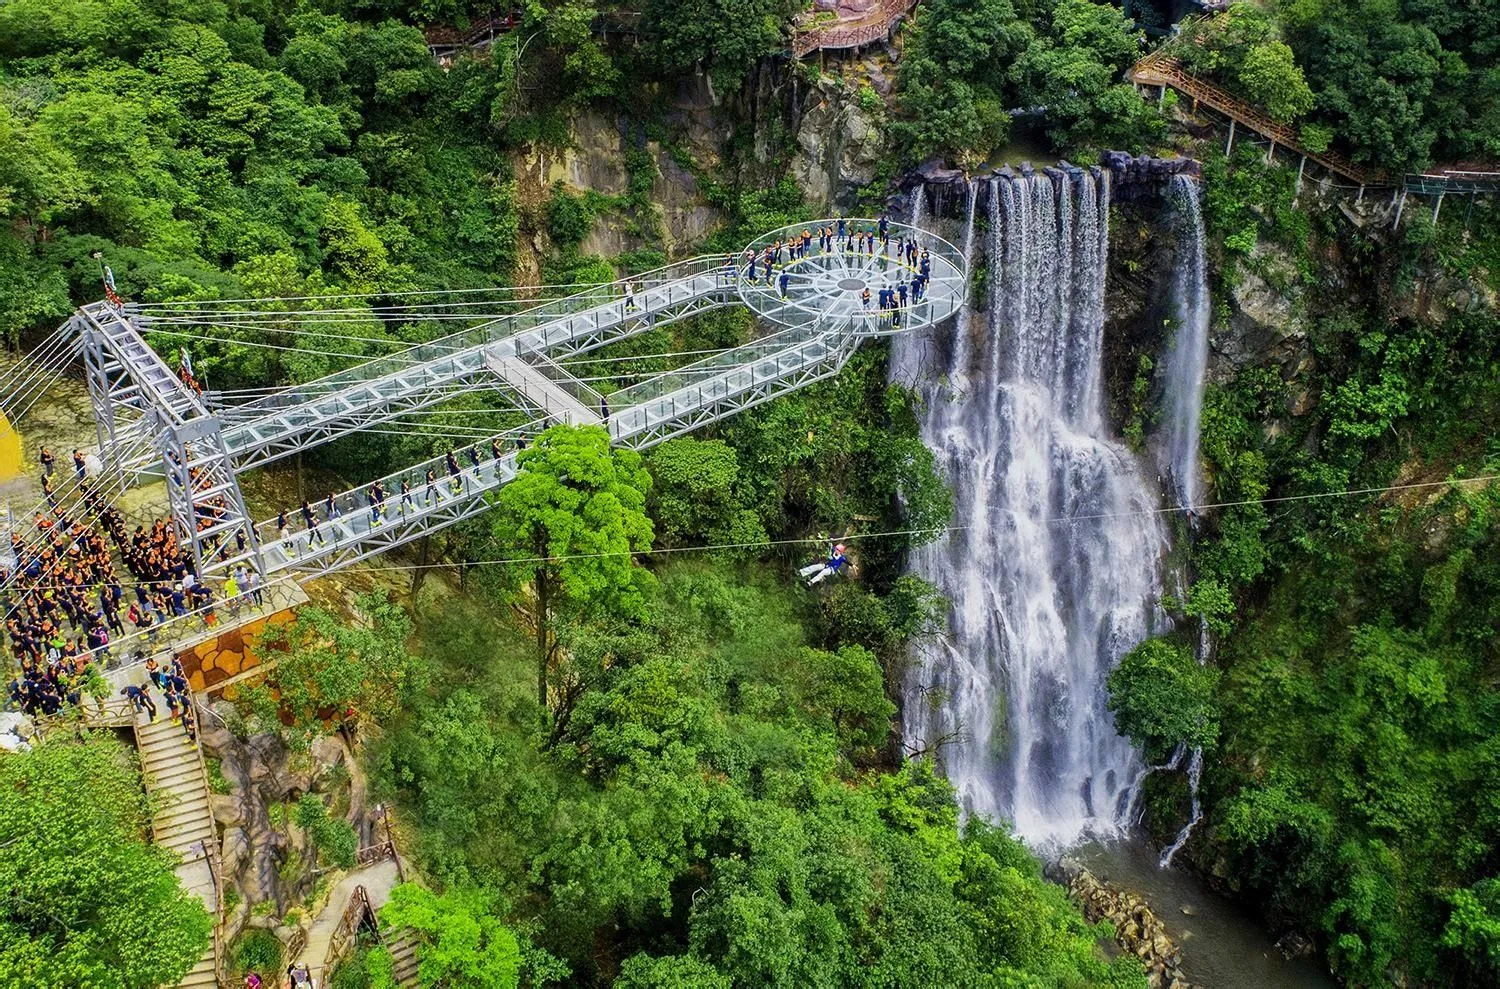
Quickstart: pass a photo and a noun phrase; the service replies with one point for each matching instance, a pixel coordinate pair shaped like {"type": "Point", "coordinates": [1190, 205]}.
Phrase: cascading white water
{"type": "Point", "coordinates": [1187, 362]}
{"type": "Point", "coordinates": [1187, 355]}
{"type": "Point", "coordinates": [1195, 776]}
{"type": "Point", "coordinates": [1055, 572]}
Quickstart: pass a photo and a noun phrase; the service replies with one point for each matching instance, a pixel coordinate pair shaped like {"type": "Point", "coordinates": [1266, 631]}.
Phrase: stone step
{"type": "Point", "coordinates": [182, 777]}
{"type": "Point", "coordinates": [201, 974]}
{"type": "Point", "coordinates": [403, 948]}
{"type": "Point", "coordinates": [173, 737]}
{"type": "Point", "coordinates": [182, 841]}
{"type": "Point", "coordinates": [174, 802]}
{"type": "Point", "coordinates": [180, 816]}
{"type": "Point", "coordinates": [183, 833]}
{"type": "Point", "coordinates": [164, 756]}
{"type": "Point", "coordinates": [163, 725]}
{"type": "Point", "coordinates": [169, 831]}
{"type": "Point", "coordinates": [160, 731]}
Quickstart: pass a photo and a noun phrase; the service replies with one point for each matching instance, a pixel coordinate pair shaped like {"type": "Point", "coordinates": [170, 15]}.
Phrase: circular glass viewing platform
{"type": "Point", "coordinates": [841, 277]}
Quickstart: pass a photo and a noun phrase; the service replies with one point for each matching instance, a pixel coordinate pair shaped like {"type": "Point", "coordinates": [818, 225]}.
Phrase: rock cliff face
{"type": "Point", "coordinates": [595, 160]}
{"type": "Point", "coordinates": [269, 865]}
{"type": "Point", "coordinates": [839, 145]}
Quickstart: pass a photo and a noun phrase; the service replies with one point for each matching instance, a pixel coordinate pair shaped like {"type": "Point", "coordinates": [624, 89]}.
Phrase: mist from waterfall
{"type": "Point", "coordinates": [1055, 570]}
{"type": "Point", "coordinates": [1187, 354]}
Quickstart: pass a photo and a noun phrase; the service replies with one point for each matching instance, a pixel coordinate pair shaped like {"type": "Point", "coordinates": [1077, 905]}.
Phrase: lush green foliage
{"type": "Point", "coordinates": [695, 495]}
{"type": "Point", "coordinates": [820, 458]}
{"type": "Point", "coordinates": [210, 151]}
{"type": "Point", "coordinates": [721, 37]}
{"type": "Point", "coordinates": [968, 62]}
{"type": "Point", "coordinates": [327, 668]}
{"type": "Point", "coordinates": [260, 951]}
{"type": "Point", "coordinates": [88, 902]}
{"type": "Point", "coordinates": [335, 840]}
{"type": "Point", "coordinates": [1162, 698]}
{"type": "Point", "coordinates": [460, 942]}
{"type": "Point", "coordinates": [699, 818]}
{"type": "Point", "coordinates": [1352, 795]}
{"type": "Point", "coordinates": [1399, 83]}
{"type": "Point", "coordinates": [575, 514]}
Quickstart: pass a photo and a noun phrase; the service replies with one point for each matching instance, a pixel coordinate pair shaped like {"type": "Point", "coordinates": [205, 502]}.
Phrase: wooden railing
{"type": "Point", "coordinates": [481, 34]}
{"type": "Point", "coordinates": [348, 927]}
{"type": "Point", "coordinates": [381, 850]}
{"type": "Point", "coordinates": [294, 948]}
{"type": "Point", "coordinates": [837, 36]}
{"type": "Point", "coordinates": [1161, 69]}
{"type": "Point", "coordinates": [110, 712]}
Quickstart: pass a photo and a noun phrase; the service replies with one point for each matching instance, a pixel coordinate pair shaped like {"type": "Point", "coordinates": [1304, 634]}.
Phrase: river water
{"type": "Point", "coordinates": [1223, 946]}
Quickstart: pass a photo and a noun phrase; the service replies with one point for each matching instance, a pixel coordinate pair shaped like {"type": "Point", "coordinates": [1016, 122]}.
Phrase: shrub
{"type": "Point", "coordinates": [259, 951]}
{"type": "Point", "coordinates": [334, 840]}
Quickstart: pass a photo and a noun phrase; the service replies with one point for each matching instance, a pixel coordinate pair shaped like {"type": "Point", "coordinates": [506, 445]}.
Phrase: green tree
{"type": "Point", "coordinates": [723, 38]}
{"type": "Point", "coordinates": [88, 902]}
{"type": "Point", "coordinates": [1270, 77]}
{"type": "Point", "coordinates": [694, 495]}
{"type": "Point", "coordinates": [952, 89]}
{"type": "Point", "coordinates": [1162, 697]}
{"type": "Point", "coordinates": [327, 665]}
{"type": "Point", "coordinates": [461, 944]}
{"type": "Point", "coordinates": [575, 515]}
{"type": "Point", "coordinates": [846, 687]}
{"type": "Point", "coordinates": [670, 972]}
{"type": "Point", "coordinates": [1473, 928]}
{"type": "Point", "coordinates": [335, 840]}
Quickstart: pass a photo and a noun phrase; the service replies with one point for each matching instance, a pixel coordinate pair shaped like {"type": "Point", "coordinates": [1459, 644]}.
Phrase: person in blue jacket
{"type": "Point", "coordinates": [815, 573]}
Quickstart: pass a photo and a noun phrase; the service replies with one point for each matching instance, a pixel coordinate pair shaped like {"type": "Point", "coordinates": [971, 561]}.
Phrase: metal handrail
{"type": "Point", "coordinates": [488, 331]}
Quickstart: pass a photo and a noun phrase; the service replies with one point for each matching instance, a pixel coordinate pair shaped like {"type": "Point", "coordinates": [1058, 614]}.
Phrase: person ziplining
{"type": "Point", "coordinates": [816, 573]}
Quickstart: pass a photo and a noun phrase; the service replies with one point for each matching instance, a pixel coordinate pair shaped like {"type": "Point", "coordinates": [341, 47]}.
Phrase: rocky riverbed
{"type": "Point", "coordinates": [1137, 929]}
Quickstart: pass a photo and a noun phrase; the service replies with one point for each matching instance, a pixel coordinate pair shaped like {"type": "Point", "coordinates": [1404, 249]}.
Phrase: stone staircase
{"type": "Point", "coordinates": [183, 821]}
{"type": "Point", "coordinates": [402, 945]}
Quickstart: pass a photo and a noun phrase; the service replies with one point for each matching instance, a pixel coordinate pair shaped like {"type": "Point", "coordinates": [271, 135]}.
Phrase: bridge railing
{"type": "Point", "coordinates": [708, 367]}
{"type": "Point", "coordinates": [489, 330]}
{"type": "Point", "coordinates": [560, 376]}
{"type": "Point", "coordinates": [838, 36]}
{"type": "Point", "coordinates": [451, 496]}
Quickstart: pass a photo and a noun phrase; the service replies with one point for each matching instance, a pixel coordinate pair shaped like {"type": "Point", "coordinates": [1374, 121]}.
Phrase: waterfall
{"type": "Point", "coordinates": [1187, 355]}
{"type": "Point", "coordinates": [1187, 361]}
{"type": "Point", "coordinates": [1195, 776]}
{"type": "Point", "coordinates": [1055, 570]}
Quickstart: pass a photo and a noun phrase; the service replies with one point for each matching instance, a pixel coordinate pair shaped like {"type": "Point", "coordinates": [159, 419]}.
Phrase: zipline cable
{"type": "Point", "coordinates": [928, 531]}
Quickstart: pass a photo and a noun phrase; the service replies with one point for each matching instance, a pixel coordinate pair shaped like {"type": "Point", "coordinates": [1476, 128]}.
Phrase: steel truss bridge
{"type": "Point", "coordinates": [812, 316]}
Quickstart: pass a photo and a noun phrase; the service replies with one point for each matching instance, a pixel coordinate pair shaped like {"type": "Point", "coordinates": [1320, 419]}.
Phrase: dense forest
{"type": "Point", "coordinates": [1354, 709]}
{"type": "Point", "coordinates": [633, 762]}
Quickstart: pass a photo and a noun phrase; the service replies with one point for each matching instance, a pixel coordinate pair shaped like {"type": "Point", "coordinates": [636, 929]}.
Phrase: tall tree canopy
{"type": "Point", "coordinates": [86, 901]}
{"type": "Point", "coordinates": [573, 518]}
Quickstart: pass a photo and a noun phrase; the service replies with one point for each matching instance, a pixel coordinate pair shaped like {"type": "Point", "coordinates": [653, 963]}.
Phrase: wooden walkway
{"type": "Point", "coordinates": [840, 36]}
{"type": "Point", "coordinates": [447, 42]}
{"type": "Point", "coordinates": [1161, 69]}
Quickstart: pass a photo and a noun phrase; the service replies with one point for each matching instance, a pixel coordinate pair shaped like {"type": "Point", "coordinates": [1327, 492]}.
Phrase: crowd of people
{"type": "Point", "coordinates": [767, 267]}
{"type": "Point", "coordinates": [67, 606]}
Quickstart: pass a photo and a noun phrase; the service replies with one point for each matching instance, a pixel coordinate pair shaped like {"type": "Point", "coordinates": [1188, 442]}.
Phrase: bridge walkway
{"type": "Point", "coordinates": [1161, 69]}
{"type": "Point", "coordinates": [380, 390]}
{"type": "Point", "coordinates": [545, 386]}
{"type": "Point", "coordinates": [641, 416]}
